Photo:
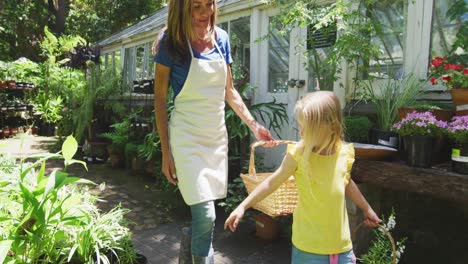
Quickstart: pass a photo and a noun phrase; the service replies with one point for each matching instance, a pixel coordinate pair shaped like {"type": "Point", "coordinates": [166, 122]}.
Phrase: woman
{"type": "Point", "coordinates": [193, 56]}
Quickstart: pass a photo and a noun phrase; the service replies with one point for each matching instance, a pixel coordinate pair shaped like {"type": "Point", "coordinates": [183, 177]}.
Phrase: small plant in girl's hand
{"type": "Point", "coordinates": [420, 124]}
{"type": "Point", "coordinates": [457, 129]}
{"type": "Point", "coordinates": [380, 251]}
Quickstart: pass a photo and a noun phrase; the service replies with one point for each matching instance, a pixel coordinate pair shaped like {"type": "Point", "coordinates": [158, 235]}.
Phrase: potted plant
{"type": "Point", "coordinates": [419, 132]}
{"type": "Point", "coordinates": [3, 75]}
{"type": "Point", "coordinates": [457, 131]}
{"type": "Point", "coordinates": [151, 153]}
{"type": "Point", "coordinates": [454, 75]}
{"type": "Point", "coordinates": [50, 110]}
{"type": "Point", "coordinates": [387, 97]}
{"type": "Point", "coordinates": [119, 138]}
{"type": "Point", "coordinates": [440, 111]}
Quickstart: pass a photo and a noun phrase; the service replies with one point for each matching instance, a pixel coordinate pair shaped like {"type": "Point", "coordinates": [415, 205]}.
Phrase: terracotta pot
{"type": "Point", "coordinates": [13, 131]}
{"type": "Point", "coordinates": [266, 227]}
{"type": "Point", "coordinates": [440, 114]}
{"type": "Point", "coordinates": [6, 132]}
{"type": "Point", "coordinates": [460, 100]}
{"type": "Point", "coordinates": [11, 84]}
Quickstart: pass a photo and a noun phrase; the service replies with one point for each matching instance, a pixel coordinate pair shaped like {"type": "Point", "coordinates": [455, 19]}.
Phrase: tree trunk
{"type": "Point", "coordinates": [58, 9]}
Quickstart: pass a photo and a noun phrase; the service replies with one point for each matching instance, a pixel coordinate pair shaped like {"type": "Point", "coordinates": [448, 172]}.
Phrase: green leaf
{"type": "Point", "coordinates": [78, 161]}
{"type": "Point", "coordinates": [4, 248]}
{"type": "Point", "coordinates": [50, 184]}
{"type": "Point", "coordinates": [69, 148]}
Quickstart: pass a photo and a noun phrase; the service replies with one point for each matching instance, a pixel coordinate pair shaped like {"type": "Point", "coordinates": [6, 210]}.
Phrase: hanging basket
{"type": "Point", "coordinates": [283, 200]}
{"type": "Point", "coordinates": [389, 236]}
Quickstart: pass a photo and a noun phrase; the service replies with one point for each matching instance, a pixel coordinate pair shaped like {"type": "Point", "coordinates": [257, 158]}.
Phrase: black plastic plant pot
{"type": "Point", "coordinates": [418, 150]}
{"type": "Point", "coordinates": [384, 138]}
{"type": "Point", "coordinates": [460, 158]}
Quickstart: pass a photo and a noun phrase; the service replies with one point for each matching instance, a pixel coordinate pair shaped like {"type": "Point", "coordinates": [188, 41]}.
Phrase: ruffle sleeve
{"type": "Point", "coordinates": [292, 150]}
{"type": "Point", "coordinates": [349, 161]}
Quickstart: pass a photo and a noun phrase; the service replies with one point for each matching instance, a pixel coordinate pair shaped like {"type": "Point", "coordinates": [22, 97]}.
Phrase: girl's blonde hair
{"type": "Point", "coordinates": [320, 118]}
{"type": "Point", "coordinates": [179, 28]}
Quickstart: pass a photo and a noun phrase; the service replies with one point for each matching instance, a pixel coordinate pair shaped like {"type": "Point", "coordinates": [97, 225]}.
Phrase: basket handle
{"type": "Point", "coordinates": [262, 143]}
{"type": "Point", "coordinates": [392, 241]}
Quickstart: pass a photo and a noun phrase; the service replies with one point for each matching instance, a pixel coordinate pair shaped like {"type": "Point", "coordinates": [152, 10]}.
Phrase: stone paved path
{"type": "Point", "coordinates": [157, 217]}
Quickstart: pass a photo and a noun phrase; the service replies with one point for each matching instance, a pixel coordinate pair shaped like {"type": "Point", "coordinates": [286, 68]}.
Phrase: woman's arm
{"type": "Point", "coordinates": [161, 86]}
{"type": "Point", "coordinates": [237, 104]}
{"type": "Point", "coordinates": [353, 193]}
{"type": "Point", "coordinates": [287, 168]}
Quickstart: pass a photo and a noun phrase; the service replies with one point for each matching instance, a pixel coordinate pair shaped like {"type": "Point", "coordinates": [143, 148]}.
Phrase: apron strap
{"type": "Point", "coordinates": [216, 46]}
{"type": "Point", "coordinates": [190, 48]}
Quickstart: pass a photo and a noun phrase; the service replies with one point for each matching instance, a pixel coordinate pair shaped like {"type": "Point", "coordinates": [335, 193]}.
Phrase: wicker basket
{"type": "Point", "coordinates": [389, 236]}
{"type": "Point", "coordinates": [282, 201]}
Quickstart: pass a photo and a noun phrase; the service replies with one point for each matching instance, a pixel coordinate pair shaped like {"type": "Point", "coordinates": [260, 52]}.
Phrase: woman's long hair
{"type": "Point", "coordinates": [180, 29]}
{"type": "Point", "coordinates": [320, 118]}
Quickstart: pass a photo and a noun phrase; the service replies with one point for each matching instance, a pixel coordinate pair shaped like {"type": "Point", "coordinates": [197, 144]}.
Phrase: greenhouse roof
{"type": "Point", "coordinates": [150, 23]}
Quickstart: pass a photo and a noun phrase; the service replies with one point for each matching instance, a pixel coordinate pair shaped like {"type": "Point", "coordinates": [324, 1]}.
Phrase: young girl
{"type": "Point", "coordinates": [321, 163]}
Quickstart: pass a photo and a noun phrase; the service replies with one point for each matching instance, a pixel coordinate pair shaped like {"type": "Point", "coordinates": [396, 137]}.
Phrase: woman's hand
{"type": "Point", "coordinates": [168, 168]}
{"type": "Point", "coordinates": [370, 218]}
{"type": "Point", "coordinates": [233, 220]}
{"type": "Point", "coordinates": [263, 134]}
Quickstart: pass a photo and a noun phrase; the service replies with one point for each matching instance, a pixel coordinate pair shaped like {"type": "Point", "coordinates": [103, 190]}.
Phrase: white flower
{"type": "Point", "coordinates": [391, 223]}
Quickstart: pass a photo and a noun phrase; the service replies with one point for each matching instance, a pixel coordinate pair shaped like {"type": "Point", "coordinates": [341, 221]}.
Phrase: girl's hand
{"type": "Point", "coordinates": [370, 218]}
{"type": "Point", "coordinates": [168, 168]}
{"type": "Point", "coordinates": [233, 220]}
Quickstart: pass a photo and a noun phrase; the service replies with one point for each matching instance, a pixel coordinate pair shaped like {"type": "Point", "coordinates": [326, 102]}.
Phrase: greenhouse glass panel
{"type": "Point", "coordinates": [140, 66]}
{"type": "Point", "coordinates": [278, 61]}
{"type": "Point", "coordinates": [116, 61]}
{"type": "Point", "coordinates": [239, 34]}
{"type": "Point", "coordinates": [444, 28]}
{"type": "Point", "coordinates": [150, 62]}
{"type": "Point", "coordinates": [389, 19]}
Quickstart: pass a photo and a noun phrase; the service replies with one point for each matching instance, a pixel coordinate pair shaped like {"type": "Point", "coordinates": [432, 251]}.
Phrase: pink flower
{"type": "Point", "coordinates": [420, 124]}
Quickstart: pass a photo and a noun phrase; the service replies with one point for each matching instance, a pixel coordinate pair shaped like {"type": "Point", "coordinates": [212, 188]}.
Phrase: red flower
{"type": "Point", "coordinates": [437, 61]}
{"type": "Point", "coordinates": [455, 67]}
{"type": "Point", "coordinates": [453, 72]}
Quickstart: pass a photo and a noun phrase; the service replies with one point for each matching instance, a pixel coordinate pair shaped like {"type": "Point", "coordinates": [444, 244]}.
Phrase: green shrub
{"type": "Point", "coordinates": [357, 128]}
{"type": "Point", "coordinates": [50, 219]}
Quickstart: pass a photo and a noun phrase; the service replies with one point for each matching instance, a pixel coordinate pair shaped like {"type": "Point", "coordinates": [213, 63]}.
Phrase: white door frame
{"type": "Point", "coordinates": [259, 75]}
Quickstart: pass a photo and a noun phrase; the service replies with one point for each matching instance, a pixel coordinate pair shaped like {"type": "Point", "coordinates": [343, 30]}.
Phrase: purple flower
{"type": "Point", "coordinates": [458, 129]}
{"type": "Point", "coordinates": [420, 123]}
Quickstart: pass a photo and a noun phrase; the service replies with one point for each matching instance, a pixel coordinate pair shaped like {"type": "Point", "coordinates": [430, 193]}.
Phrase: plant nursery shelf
{"type": "Point", "coordinates": [436, 182]}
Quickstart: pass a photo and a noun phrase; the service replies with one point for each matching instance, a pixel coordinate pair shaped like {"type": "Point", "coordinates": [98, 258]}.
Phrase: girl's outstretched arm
{"type": "Point", "coordinates": [287, 168]}
{"type": "Point", "coordinates": [353, 193]}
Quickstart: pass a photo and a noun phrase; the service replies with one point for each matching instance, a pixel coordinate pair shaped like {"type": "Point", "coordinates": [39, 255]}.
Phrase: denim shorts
{"type": "Point", "coordinates": [301, 257]}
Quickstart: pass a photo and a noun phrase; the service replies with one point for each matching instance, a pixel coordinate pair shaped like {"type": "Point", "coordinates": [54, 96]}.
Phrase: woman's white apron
{"type": "Point", "coordinates": [197, 132]}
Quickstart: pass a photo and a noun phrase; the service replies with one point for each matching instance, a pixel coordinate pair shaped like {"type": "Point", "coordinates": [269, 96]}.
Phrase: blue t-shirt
{"type": "Point", "coordinates": [179, 70]}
